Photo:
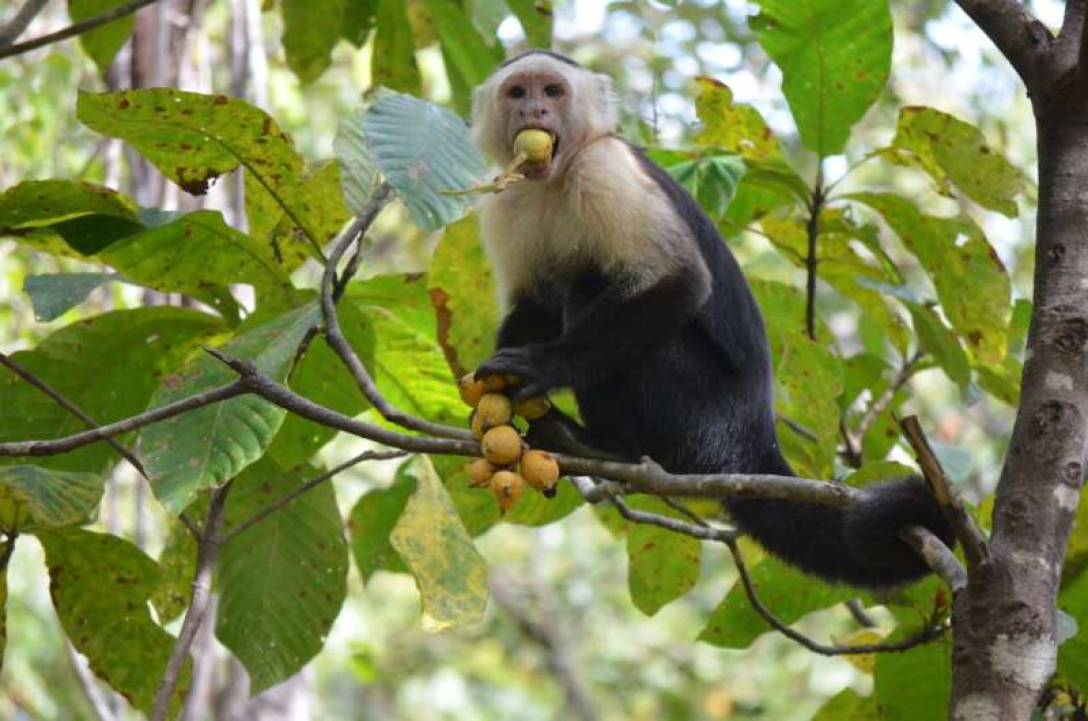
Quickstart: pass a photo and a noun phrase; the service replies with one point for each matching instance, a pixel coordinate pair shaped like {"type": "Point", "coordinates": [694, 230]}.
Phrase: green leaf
{"type": "Point", "coordinates": [878, 471]}
{"type": "Point", "coordinates": [322, 207]}
{"type": "Point", "coordinates": [711, 179]}
{"type": "Point", "coordinates": [787, 592]}
{"type": "Point", "coordinates": [54, 294]}
{"type": "Point", "coordinates": [100, 586]}
{"type": "Point", "coordinates": [188, 252]}
{"type": "Point", "coordinates": [925, 670]}
{"type": "Point", "coordinates": [282, 581]}
{"type": "Point", "coordinates": [399, 309]}
{"type": "Point", "coordinates": [835, 56]}
{"type": "Point", "coordinates": [972, 284]}
{"type": "Point", "coordinates": [462, 289]}
{"type": "Point", "coordinates": [432, 542]}
{"type": "Point", "coordinates": [848, 706]}
{"type": "Point", "coordinates": [1073, 654]}
{"type": "Point", "coordinates": [955, 153]}
{"type": "Point", "coordinates": [322, 377]}
{"type": "Point", "coordinates": [53, 498]}
{"type": "Point", "coordinates": [103, 42]}
{"type": "Point", "coordinates": [51, 214]}
{"type": "Point", "coordinates": [935, 338]}
{"type": "Point", "coordinates": [205, 447]}
{"type": "Point", "coordinates": [358, 174]}
{"type": "Point", "coordinates": [471, 57]}
{"type": "Point", "coordinates": [809, 380]}
{"type": "Point", "coordinates": [423, 149]}
{"type": "Point", "coordinates": [536, 20]}
{"type": "Point", "coordinates": [108, 366]}
{"type": "Point", "coordinates": [177, 566]}
{"type": "Point", "coordinates": [393, 58]}
{"type": "Point", "coordinates": [310, 31]}
{"type": "Point", "coordinates": [372, 520]}
{"type": "Point", "coordinates": [661, 565]}
{"type": "Point", "coordinates": [358, 21]}
{"type": "Point", "coordinates": [193, 139]}
{"type": "Point", "coordinates": [731, 127]}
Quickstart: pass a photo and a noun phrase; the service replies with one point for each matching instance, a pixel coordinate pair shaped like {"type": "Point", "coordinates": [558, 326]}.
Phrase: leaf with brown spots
{"type": "Point", "coordinates": [100, 585]}
{"type": "Point", "coordinates": [661, 565]}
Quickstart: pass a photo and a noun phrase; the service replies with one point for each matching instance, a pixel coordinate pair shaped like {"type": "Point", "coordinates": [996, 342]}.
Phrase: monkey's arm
{"type": "Point", "coordinates": [608, 334]}
{"type": "Point", "coordinates": [529, 321]}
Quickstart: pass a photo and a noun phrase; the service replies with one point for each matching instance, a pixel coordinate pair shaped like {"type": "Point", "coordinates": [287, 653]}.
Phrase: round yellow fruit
{"type": "Point", "coordinates": [493, 410]}
{"type": "Point", "coordinates": [540, 470]}
{"type": "Point", "coordinates": [501, 445]}
{"type": "Point", "coordinates": [532, 408]}
{"type": "Point", "coordinates": [471, 390]}
{"type": "Point", "coordinates": [506, 486]}
{"type": "Point", "coordinates": [480, 472]}
{"type": "Point", "coordinates": [536, 144]}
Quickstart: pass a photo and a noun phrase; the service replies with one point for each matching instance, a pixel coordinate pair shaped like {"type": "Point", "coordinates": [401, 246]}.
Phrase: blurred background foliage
{"type": "Point", "coordinates": [569, 577]}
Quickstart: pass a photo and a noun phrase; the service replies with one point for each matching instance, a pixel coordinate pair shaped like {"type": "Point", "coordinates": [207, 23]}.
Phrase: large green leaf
{"type": "Point", "coordinates": [403, 319]}
{"type": "Point", "coordinates": [100, 586]}
{"type": "Point", "coordinates": [471, 57]}
{"type": "Point", "coordinates": [281, 582]}
{"type": "Point", "coordinates": [108, 366]}
{"type": "Point", "coordinates": [935, 338]}
{"type": "Point", "coordinates": [662, 565]}
{"type": "Point", "coordinates": [53, 294]}
{"type": "Point", "coordinates": [835, 56]}
{"type": "Point", "coordinates": [432, 542]}
{"type": "Point", "coordinates": [358, 21]}
{"type": "Point", "coordinates": [809, 379]}
{"type": "Point", "coordinates": [536, 19]}
{"type": "Point", "coordinates": [321, 205]}
{"type": "Point", "coordinates": [177, 566]}
{"type": "Point", "coordinates": [51, 214]}
{"type": "Point", "coordinates": [358, 174]}
{"type": "Point", "coordinates": [53, 498]}
{"type": "Point", "coordinates": [732, 127]}
{"type": "Point", "coordinates": [203, 448]}
{"type": "Point", "coordinates": [393, 58]}
{"type": "Point", "coordinates": [955, 153]}
{"type": "Point", "coordinates": [310, 30]}
{"type": "Point", "coordinates": [423, 149]}
{"type": "Point", "coordinates": [372, 520]}
{"type": "Point", "coordinates": [462, 290]}
{"type": "Point", "coordinates": [103, 42]}
{"type": "Point", "coordinates": [1073, 653]}
{"type": "Point", "coordinates": [848, 706]}
{"type": "Point", "coordinates": [972, 284]}
{"type": "Point", "coordinates": [787, 592]}
{"type": "Point", "coordinates": [925, 670]}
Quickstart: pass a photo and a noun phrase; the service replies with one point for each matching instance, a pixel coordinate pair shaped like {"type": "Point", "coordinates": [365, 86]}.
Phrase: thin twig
{"type": "Point", "coordinates": [975, 546]}
{"type": "Point", "coordinates": [75, 29]}
{"type": "Point", "coordinates": [797, 428]}
{"type": "Point", "coordinates": [812, 230]}
{"type": "Point", "coordinates": [308, 486]}
{"type": "Point", "coordinates": [924, 636]}
{"type": "Point", "coordinates": [18, 24]}
{"type": "Point", "coordinates": [937, 556]}
{"type": "Point", "coordinates": [853, 440]}
{"type": "Point", "coordinates": [198, 604]}
{"type": "Point", "coordinates": [331, 290]}
{"type": "Point", "coordinates": [860, 615]}
{"type": "Point", "coordinates": [69, 406]}
{"type": "Point", "coordinates": [91, 691]}
{"type": "Point", "coordinates": [55, 446]}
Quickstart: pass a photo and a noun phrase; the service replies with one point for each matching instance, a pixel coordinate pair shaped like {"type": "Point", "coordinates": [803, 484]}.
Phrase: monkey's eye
{"type": "Point", "coordinates": [516, 92]}
{"type": "Point", "coordinates": [553, 91]}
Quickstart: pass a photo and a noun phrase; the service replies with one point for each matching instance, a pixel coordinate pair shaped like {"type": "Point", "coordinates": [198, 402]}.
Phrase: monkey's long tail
{"type": "Point", "coordinates": [858, 544]}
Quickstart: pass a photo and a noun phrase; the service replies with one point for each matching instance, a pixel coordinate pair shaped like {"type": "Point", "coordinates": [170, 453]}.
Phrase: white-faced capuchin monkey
{"type": "Point", "coordinates": [617, 285]}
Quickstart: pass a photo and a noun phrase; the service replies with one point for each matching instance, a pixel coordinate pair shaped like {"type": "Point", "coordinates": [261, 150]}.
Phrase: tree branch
{"type": "Point", "coordinates": [11, 32]}
{"type": "Point", "coordinates": [937, 556]}
{"type": "Point", "coordinates": [975, 546]}
{"type": "Point", "coordinates": [812, 229]}
{"type": "Point", "coordinates": [61, 445]}
{"type": "Point", "coordinates": [331, 291]}
{"type": "Point", "coordinates": [1015, 32]}
{"type": "Point", "coordinates": [924, 636]}
{"type": "Point", "coordinates": [74, 29]}
{"type": "Point", "coordinates": [198, 603]}
{"type": "Point", "coordinates": [306, 487]}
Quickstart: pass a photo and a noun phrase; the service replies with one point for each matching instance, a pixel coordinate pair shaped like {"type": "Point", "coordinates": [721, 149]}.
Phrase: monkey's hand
{"type": "Point", "coordinates": [538, 370]}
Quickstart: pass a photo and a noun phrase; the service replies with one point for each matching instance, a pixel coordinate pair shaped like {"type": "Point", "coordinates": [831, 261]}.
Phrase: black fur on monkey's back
{"type": "Point", "coordinates": [701, 402]}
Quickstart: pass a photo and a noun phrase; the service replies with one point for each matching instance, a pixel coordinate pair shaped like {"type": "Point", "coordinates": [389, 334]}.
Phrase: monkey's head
{"type": "Point", "coordinates": [544, 91]}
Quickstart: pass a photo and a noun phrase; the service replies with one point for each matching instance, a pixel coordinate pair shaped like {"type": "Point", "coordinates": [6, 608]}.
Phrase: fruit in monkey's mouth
{"type": "Point", "coordinates": [536, 144]}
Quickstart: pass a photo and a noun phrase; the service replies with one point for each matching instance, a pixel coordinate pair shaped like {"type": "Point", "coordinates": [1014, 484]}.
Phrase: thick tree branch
{"type": "Point", "coordinates": [75, 29]}
{"type": "Point", "coordinates": [975, 546]}
{"type": "Point", "coordinates": [937, 556]}
{"type": "Point", "coordinates": [924, 636]}
{"type": "Point", "coordinates": [306, 487]}
{"type": "Point", "coordinates": [70, 407]}
{"type": "Point", "coordinates": [1015, 31]}
{"type": "Point", "coordinates": [207, 553]}
{"type": "Point", "coordinates": [331, 291]}
{"type": "Point", "coordinates": [15, 27]}
{"type": "Point", "coordinates": [61, 445]}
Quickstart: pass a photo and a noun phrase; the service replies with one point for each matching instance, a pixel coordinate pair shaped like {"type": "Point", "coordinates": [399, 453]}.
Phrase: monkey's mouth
{"type": "Point", "coordinates": [541, 169]}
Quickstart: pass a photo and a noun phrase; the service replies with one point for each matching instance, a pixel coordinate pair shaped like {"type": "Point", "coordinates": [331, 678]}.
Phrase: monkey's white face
{"type": "Point", "coordinates": [570, 103]}
{"type": "Point", "coordinates": [540, 100]}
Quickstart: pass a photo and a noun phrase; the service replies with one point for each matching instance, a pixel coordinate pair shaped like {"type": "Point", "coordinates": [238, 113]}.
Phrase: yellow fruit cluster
{"type": "Point", "coordinates": [508, 464]}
